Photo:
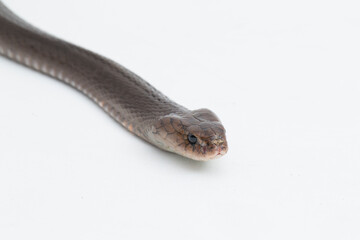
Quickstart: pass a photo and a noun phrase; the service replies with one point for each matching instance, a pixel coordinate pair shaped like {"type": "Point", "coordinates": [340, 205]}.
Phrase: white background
{"type": "Point", "coordinates": [282, 75]}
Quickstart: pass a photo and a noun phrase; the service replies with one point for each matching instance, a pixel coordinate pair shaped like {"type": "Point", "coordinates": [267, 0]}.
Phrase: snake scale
{"type": "Point", "coordinates": [125, 96]}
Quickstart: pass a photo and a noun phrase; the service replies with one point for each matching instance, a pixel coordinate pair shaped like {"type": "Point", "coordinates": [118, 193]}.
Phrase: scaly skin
{"type": "Point", "coordinates": [126, 97]}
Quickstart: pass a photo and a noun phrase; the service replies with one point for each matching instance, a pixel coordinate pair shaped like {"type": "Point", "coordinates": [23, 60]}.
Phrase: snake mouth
{"type": "Point", "coordinates": [221, 151]}
{"type": "Point", "coordinates": [218, 152]}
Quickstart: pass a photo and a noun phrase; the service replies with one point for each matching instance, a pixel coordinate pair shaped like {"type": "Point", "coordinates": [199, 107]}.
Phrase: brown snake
{"type": "Point", "coordinates": [126, 97]}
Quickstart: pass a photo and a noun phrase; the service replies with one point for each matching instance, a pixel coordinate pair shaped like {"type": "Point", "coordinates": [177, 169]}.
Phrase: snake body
{"type": "Point", "coordinates": [125, 96]}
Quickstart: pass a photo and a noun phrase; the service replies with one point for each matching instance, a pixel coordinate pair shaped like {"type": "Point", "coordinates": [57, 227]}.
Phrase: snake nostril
{"type": "Point", "coordinates": [218, 142]}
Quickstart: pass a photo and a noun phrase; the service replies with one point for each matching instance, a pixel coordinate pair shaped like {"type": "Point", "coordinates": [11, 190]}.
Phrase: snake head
{"type": "Point", "coordinates": [198, 135]}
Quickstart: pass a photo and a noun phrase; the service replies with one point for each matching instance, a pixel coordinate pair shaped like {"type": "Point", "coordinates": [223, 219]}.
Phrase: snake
{"type": "Point", "coordinates": [122, 94]}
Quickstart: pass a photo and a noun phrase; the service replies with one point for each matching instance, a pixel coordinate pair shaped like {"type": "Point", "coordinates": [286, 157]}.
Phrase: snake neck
{"type": "Point", "coordinates": [125, 96]}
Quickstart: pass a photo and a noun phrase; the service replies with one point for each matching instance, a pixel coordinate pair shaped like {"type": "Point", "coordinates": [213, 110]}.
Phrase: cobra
{"type": "Point", "coordinates": [125, 96]}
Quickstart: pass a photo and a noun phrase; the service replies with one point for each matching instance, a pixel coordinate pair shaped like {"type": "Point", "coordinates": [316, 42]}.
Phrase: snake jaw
{"type": "Point", "coordinates": [171, 133]}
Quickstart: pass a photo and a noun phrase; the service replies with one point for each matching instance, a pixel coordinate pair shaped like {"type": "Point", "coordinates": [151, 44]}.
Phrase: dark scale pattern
{"type": "Point", "coordinates": [128, 98]}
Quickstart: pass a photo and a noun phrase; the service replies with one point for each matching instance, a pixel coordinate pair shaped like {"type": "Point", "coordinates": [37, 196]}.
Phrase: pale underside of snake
{"type": "Point", "coordinates": [126, 97]}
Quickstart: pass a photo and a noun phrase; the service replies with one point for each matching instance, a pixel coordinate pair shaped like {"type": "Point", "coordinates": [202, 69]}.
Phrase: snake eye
{"type": "Point", "coordinates": [192, 139]}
